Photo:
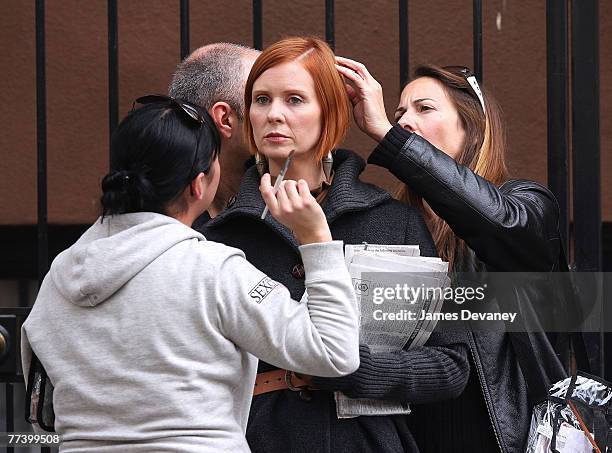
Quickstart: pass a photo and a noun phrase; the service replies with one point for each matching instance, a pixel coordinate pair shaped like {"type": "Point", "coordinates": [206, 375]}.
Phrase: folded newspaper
{"type": "Point", "coordinates": [392, 279]}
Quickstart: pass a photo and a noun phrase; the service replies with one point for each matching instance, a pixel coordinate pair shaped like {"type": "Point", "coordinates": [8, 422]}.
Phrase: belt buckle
{"type": "Point", "coordinates": [290, 386]}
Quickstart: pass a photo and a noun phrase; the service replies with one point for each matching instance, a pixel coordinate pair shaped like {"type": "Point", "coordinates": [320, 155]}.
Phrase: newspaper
{"type": "Point", "coordinates": [384, 266]}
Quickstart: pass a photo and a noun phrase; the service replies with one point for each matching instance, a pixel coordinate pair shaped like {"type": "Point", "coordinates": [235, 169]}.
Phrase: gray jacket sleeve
{"type": "Point", "coordinates": [319, 336]}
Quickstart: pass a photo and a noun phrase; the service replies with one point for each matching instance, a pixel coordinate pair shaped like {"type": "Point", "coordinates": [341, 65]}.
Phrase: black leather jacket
{"type": "Point", "coordinates": [510, 228]}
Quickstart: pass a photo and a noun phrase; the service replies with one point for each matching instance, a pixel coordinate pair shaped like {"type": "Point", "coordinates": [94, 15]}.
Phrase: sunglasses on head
{"type": "Point", "coordinates": [471, 79]}
{"type": "Point", "coordinates": [188, 108]}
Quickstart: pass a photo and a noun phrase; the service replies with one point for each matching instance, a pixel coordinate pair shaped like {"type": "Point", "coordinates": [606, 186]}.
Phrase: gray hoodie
{"type": "Point", "coordinates": [149, 334]}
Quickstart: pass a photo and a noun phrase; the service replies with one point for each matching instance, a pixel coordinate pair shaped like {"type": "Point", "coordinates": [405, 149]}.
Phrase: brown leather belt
{"type": "Point", "coordinates": [278, 380]}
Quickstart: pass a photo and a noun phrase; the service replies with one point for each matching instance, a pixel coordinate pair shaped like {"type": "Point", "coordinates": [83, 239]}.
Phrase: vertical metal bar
{"type": "Point", "coordinates": [184, 28]}
{"type": "Point", "coordinates": [477, 37]}
{"type": "Point", "coordinates": [403, 44]}
{"type": "Point", "coordinates": [257, 25]}
{"type": "Point", "coordinates": [41, 142]}
{"type": "Point", "coordinates": [557, 109]}
{"type": "Point", "coordinates": [585, 134]}
{"type": "Point", "coordinates": [10, 411]}
{"type": "Point", "coordinates": [585, 147]}
{"type": "Point", "coordinates": [23, 292]}
{"type": "Point", "coordinates": [329, 24]}
{"type": "Point", "coordinates": [113, 71]}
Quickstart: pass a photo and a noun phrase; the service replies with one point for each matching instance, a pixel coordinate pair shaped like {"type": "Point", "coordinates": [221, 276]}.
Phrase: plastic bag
{"type": "Point", "coordinates": [576, 417]}
{"type": "Point", "coordinates": [39, 398]}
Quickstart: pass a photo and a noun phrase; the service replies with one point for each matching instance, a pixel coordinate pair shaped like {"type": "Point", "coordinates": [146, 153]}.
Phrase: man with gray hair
{"type": "Point", "coordinates": [214, 76]}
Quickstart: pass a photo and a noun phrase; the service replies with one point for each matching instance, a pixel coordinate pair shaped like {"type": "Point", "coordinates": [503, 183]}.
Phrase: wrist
{"type": "Point", "coordinates": [379, 132]}
{"type": "Point", "coordinates": [314, 237]}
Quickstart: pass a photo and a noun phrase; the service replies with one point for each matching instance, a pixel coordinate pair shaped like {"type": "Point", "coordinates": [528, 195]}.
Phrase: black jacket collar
{"type": "Point", "coordinates": [346, 194]}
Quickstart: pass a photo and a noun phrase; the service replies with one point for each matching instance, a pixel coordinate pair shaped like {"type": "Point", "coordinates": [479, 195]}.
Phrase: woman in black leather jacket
{"type": "Point", "coordinates": [448, 149]}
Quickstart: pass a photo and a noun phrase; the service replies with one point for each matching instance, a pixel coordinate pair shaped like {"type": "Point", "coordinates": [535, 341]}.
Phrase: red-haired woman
{"type": "Point", "coordinates": [296, 101]}
{"type": "Point", "coordinates": [448, 147]}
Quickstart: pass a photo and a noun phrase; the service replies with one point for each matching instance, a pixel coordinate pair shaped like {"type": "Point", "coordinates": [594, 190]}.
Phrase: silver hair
{"type": "Point", "coordinates": [212, 75]}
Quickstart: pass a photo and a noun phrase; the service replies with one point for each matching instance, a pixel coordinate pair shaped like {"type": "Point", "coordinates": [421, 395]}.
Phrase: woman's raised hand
{"type": "Point", "coordinates": [366, 95]}
{"type": "Point", "coordinates": [296, 208]}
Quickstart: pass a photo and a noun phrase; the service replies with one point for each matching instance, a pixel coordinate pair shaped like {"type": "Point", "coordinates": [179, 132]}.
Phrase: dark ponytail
{"type": "Point", "coordinates": [156, 152]}
{"type": "Point", "coordinates": [124, 191]}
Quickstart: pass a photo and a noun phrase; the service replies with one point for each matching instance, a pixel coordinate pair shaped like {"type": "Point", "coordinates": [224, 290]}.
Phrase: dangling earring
{"type": "Point", "coordinates": [261, 163]}
{"type": "Point", "coordinates": [327, 162]}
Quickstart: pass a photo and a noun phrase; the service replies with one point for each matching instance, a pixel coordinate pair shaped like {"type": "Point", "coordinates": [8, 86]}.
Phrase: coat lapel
{"type": "Point", "coordinates": [346, 194]}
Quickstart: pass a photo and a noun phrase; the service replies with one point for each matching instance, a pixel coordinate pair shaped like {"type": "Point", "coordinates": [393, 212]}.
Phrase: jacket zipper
{"type": "Point", "coordinates": [484, 391]}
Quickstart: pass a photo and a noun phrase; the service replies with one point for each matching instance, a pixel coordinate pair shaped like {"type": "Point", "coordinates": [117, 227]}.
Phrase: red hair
{"type": "Point", "coordinates": [317, 59]}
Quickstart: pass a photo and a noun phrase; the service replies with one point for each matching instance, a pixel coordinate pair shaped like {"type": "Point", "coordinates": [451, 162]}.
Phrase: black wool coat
{"type": "Point", "coordinates": [286, 421]}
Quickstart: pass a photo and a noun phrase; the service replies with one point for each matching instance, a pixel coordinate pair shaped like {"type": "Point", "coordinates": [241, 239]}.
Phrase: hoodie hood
{"type": "Point", "coordinates": [112, 252]}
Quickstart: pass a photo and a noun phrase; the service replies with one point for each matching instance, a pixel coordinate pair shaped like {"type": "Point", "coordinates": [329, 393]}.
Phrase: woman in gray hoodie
{"type": "Point", "coordinates": [150, 333]}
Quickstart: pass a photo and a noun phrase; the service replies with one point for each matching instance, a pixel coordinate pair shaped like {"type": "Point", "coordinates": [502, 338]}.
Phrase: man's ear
{"type": "Point", "coordinates": [224, 117]}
